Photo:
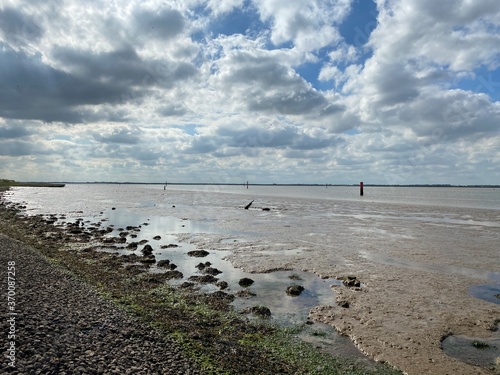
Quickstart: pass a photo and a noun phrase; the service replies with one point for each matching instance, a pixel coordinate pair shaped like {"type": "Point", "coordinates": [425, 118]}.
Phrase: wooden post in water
{"type": "Point", "coordinates": [247, 184]}
{"type": "Point", "coordinates": [361, 188]}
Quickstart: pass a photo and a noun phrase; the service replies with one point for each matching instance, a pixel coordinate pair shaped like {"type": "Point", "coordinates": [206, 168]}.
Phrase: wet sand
{"type": "Point", "coordinates": [415, 284]}
{"type": "Point", "coordinates": [416, 265]}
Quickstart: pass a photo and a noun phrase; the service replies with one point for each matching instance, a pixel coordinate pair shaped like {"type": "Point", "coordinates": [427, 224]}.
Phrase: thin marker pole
{"type": "Point", "coordinates": [361, 188]}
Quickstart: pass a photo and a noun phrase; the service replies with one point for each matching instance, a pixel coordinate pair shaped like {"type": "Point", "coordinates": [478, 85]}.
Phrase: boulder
{"type": "Point", "coordinates": [169, 246]}
{"type": "Point", "coordinates": [198, 253]}
{"type": "Point", "coordinates": [211, 271]}
{"type": "Point", "coordinates": [260, 311]}
{"type": "Point", "coordinates": [245, 282]}
{"type": "Point", "coordinates": [163, 263]}
{"type": "Point", "coordinates": [205, 279]}
{"type": "Point", "coordinates": [351, 282]}
{"type": "Point", "coordinates": [294, 290]}
{"type": "Point", "coordinates": [147, 250]}
{"type": "Point", "coordinates": [222, 285]}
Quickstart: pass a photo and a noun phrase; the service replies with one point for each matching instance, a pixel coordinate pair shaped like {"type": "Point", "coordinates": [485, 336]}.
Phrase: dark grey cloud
{"type": "Point", "coordinates": [452, 115]}
{"type": "Point", "coordinates": [231, 141]}
{"type": "Point", "coordinates": [18, 28]}
{"type": "Point", "coordinates": [202, 145]}
{"type": "Point", "coordinates": [266, 85]}
{"type": "Point", "coordinates": [120, 67]}
{"type": "Point", "coordinates": [396, 84]}
{"type": "Point", "coordinates": [13, 131]}
{"type": "Point", "coordinates": [291, 103]}
{"type": "Point", "coordinates": [121, 135]}
{"type": "Point", "coordinates": [164, 24]}
{"type": "Point", "coordinates": [123, 68]}
{"type": "Point", "coordinates": [257, 136]}
{"type": "Point", "coordinates": [18, 147]}
{"type": "Point", "coordinates": [172, 110]}
{"type": "Point", "coordinates": [31, 89]}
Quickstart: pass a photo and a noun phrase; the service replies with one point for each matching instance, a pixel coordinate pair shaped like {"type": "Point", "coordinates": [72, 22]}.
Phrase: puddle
{"type": "Point", "coordinates": [483, 352]}
{"type": "Point", "coordinates": [487, 292]}
{"type": "Point", "coordinates": [325, 338]}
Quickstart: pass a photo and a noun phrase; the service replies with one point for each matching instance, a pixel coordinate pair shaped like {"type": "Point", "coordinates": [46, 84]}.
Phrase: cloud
{"type": "Point", "coordinates": [309, 25]}
{"type": "Point", "coordinates": [13, 131]}
{"type": "Point", "coordinates": [266, 90]}
{"type": "Point", "coordinates": [263, 84]}
{"type": "Point", "coordinates": [163, 24]}
{"type": "Point", "coordinates": [30, 89]}
{"type": "Point", "coordinates": [120, 135]}
{"type": "Point", "coordinates": [18, 28]}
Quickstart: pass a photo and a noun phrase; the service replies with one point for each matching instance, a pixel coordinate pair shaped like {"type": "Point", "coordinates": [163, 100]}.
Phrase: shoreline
{"type": "Point", "coordinates": [212, 341]}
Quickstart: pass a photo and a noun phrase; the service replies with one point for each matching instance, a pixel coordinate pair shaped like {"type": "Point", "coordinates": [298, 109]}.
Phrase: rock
{"type": "Point", "coordinates": [245, 293]}
{"type": "Point", "coordinates": [480, 345]}
{"type": "Point", "coordinates": [351, 282]}
{"type": "Point", "coordinates": [142, 242]}
{"type": "Point", "coordinates": [173, 266]}
{"type": "Point", "coordinates": [294, 290]}
{"type": "Point", "coordinates": [173, 275]}
{"type": "Point", "coordinates": [147, 250]}
{"type": "Point", "coordinates": [205, 279]}
{"type": "Point", "coordinates": [163, 263]}
{"type": "Point", "coordinates": [201, 266]}
{"type": "Point", "coordinates": [343, 303]}
{"type": "Point", "coordinates": [132, 245]}
{"type": "Point", "coordinates": [211, 271]}
{"type": "Point", "coordinates": [260, 311]}
{"type": "Point", "coordinates": [148, 259]}
{"type": "Point", "coordinates": [222, 285]}
{"type": "Point", "coordinates": [222, 296]}
{"type": "Point", "coordinates": [198, 253]}
{"type": "Point", "coordinates": [169, 246]}
{"type": "Point", "coordinates": [157, 238]}
{"type": "Point", "coordinates": [266, 209]}
{"type": "Point", "coordinates": [245, 282]}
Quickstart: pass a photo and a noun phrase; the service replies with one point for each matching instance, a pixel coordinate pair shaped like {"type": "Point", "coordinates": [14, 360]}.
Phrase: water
{"type": "Point", "coordinates": [307, 231]}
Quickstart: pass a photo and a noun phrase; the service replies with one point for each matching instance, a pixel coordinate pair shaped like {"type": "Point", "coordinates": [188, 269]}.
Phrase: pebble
{"type": "Point", "coordinates": [64, 327]}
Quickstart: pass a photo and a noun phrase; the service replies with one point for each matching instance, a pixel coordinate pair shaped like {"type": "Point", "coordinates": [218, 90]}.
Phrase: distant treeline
{"type": "Point", "coordinates": [9, 183]}
{"type": "Point", "coordinates": [274, 184]}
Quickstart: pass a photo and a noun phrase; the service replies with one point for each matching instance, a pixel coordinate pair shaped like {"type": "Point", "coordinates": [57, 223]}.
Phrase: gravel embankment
{"type": "Point", "coordinates": [64, 327]}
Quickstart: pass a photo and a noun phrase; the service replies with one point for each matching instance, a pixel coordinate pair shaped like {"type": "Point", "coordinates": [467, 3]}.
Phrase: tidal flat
{"type": "Point", "coordinates": [402, 277]}
{"type": "Point", "coordinates": [213, 336]}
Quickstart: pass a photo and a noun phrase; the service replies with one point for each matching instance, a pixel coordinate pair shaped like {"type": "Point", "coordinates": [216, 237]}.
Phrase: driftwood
{"type": "Point", "coordinates": [248, 205]}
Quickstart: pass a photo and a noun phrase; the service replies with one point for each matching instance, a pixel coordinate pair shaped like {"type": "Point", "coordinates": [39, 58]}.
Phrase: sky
{"type": "Point", "coordinates": [266, 91]}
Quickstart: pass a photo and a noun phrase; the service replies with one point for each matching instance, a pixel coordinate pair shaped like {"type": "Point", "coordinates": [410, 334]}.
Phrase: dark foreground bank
{"type": "Point", "coordinates": [59, 325]}
{"type": "Point", "coordinates": [76, 310]}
